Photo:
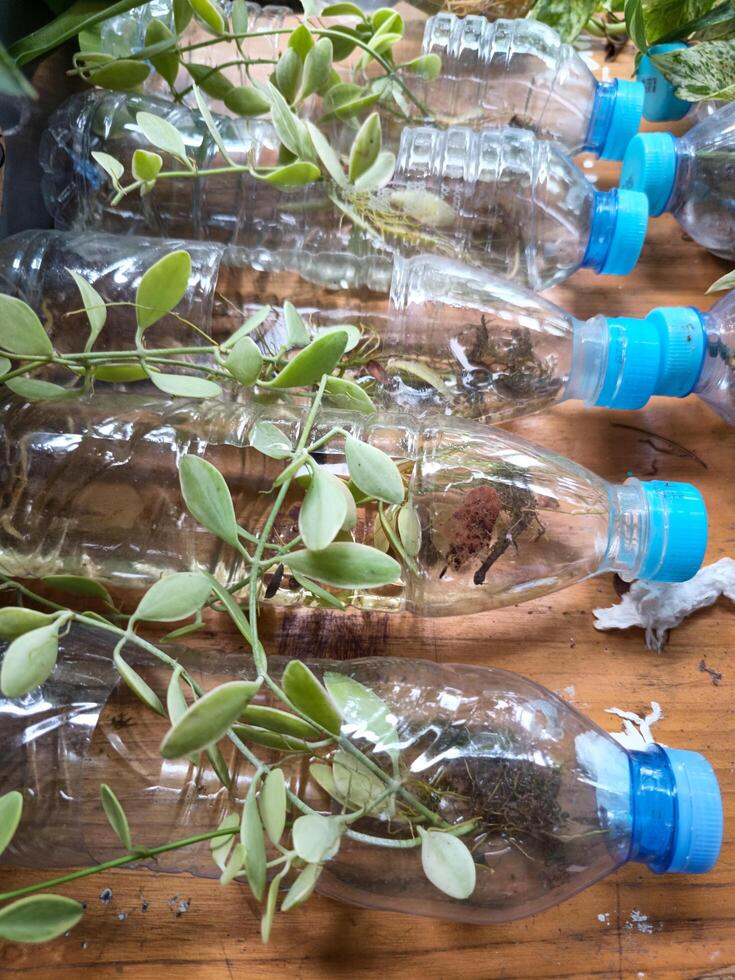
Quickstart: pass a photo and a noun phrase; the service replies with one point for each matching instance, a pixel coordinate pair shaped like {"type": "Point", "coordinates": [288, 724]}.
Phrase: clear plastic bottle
{"type": "Point", "coordinates": [510, 72]}
{"type": "Point", "coordinates": [94, 490]}
{"type": "Point", "coordinates": [445, 339]}
{"type": "Point", "coordinates": [691, 177]}
{"type": "Point", "coordinates": [660, 103]}
{"type": "Point", "coordinates": [559, 803]}
{"type": "Point", "coordinates": [519, 206]}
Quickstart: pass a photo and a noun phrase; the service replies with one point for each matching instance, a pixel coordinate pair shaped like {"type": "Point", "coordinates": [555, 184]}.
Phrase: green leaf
{"type": "Point", "coordinates": [207, 498]}
{"type": "Point", "coordinates": [112, 167]}
{"type": "Point", "coordinates": [288, 74]}
{"type": "Point", "coordinates": [344, 41]}
{"type": "Point", "coordinates": [12, 80]}
{"type": "Point", "coordinates": [240, 17]}
{"type": "Point", "coordinates": [176, 703]}
{"type": "Point", "coordinates": [296, 333]}
{"type": "Point", "coordinates": [123, 75]}
{"type": "Point", "coordinates": [220, 847]}
{"type": "Point", "coordinates": [703, 71]}
{"type": "Point", "coordinates": [724, 282]}
{"type": "Point", "coordinates": [251, 835]}
{"type": "Point", "coordinates": [208, 719]}
{"type": "Point", "coordinates": [167, 62]}
{"type": "Point", "coordinates": [567, 17]}
{"type": "Point", "coordinates": [347, 565]}
{"type": "Point", "coordinates": [116, 816]}
{"type": "Point", "coordinates": [380, 174]}
{"type": "Point", "coordinates": [323, 511]}
{"type": "Point", "coordinates": [173, 597]}
{"type": "Point", "coordinates": [373, 471]}
{"type": "Point", "coordinates": [294, 174]}
{"type": "Point", "coordinates": [665, 18]}
{"type": "Point", "coordinates": [183, 14]}
{"type": "Point", "coordinates": [327, 155]}
{"type": "Point", "coordinates": [317, 68]}
{"type": "Point", "coordinates": [235, 613]}
{"type": "Point", "coordinates": [210, 80]}
{"type": "Point", "coordinates": [301, 41]}
{"type": "Point", "coordinates": [266, 922]}
{"type": "Point", "coordinates": [348, 395]}
{"type": "Point", "coordinates": [21, 332]}
{"type": "Point", "coordinates": [11, 810]}
{"type": "Point", "coordinates": [252, 323]}
{"type": "Point", "coordinates": [210, 13]}
{"type": "Point", "coordinates": [323, 776]}
{"type": "Point", "coordinates": [316, 838]}
{"type": "Point", "coordinates": [260, 736]}
{"type": "Point", "coordinates": [5, 366]}
{"type": "Point", "coordinates": [246, 101]}
{"type": "Point", "coordinates": [318, 592]}
{"type": "Point", "coordinates": [211, 125]}
{"type": "Point", "coordinates": [289, 128]}
{"type": "Point", "coordinates": [635, 22]}
{"type": "Point", "coordinates": [15, 621]}
{"type": "Point", "coordinates": [307, 694]}
{"type": "Point", "coordinates": [184, 386]}
{"type": "Point", "coordinates": [365, 147]}
{"type": "Point", "coordinates": [366, 715]}
{"type": "Point", "coordinates": [427, 66]}
{"type": "Point", "coordinates": [234, 865]}
{"type": "Point", "coordinates": [354, 334]}
{"type": "Point", "coordinates": [245, 361]}
{"type": "Point", "coordinates": [140, 688]}
{"type": "Point", "coordinates": [346, 100]}
{"type": "Point", "coordinates": [146, 166]}
{"type": "Point", "coordinates": [357, 785]}
{"type": "Point", "coordinates": [94, 307]}
{"type": "Point", "coordinates": [163, 135]}
{"type": "Point", "coordinates": [302, 887]}
{"type": "Point", "coordinates": [319, 358]}
{"type": "Point", "coordinates": [269, 440]}
{"type": "Point", "coordinates": [273, 805]}
{"type": "Point", "coordinates": [409, 529]}
{"type": "Point", "coordinates": [343, 10]}
{"type": "Point", "coordinates": [29, 660]}
{"type": "Point", "coordinates": [162, 287]}
{"type": "Point", "coordinates": [275, 720]}
{"type": "Point", "coordinates": [217, 761]}
{"type": "Point", "coordinates": [120, 373]}
{"type": "Point", "coordinates": [39, 918]}
{"type": "Point", "coordinates": [36, 390]}
{"type": "Point", "coordinates": [447, 863]}
{"type": "Point", "coordinates": [79, 585]}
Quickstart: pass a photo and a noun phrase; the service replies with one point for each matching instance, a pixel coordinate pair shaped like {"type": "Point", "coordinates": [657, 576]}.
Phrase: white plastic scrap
{"type": "Point", "coordinates": [658, 607]}
{"type": "Point", "coordinates": [636, 732]}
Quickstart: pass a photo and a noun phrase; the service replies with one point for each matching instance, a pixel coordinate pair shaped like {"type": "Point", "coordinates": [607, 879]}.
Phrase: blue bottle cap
{"type": "Point", "coordinates": [677, 531]}
{"type": "Point", "coordinates": [649, 165]}
{"type": "Point", "coordinates": [625, 119]}
{"type": "Point", "coordinates": [698, 825]}
{"type": "Point", "coordinates": [660, 103]}
{"type": "Point", "coordinates": [683, 340]}
{"type": "Point", "coordinates": [628, 234]}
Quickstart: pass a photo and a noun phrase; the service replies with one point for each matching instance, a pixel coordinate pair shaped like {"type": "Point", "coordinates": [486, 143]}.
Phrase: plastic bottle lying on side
{"type": "Point", "coordinates": [497, 198]}
{"type": "Point", "coordinates": [446, 338]}
{"type": "Point", "coordinates": [691, 177]}
{"type": "Point", "coordinates": [491, 519]}
{"type": "Point", "coordinates": [510, 72]}
{"type": "Point", "coordinates": [559, 803]}
{"type": "Point", "coordinates": [660, 103]}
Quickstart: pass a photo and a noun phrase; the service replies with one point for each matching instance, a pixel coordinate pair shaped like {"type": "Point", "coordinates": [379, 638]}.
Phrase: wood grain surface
{"type": "Point", "coordinates": [634, 924]}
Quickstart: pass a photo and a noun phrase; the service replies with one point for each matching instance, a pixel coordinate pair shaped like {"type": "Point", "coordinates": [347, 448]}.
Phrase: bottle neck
{"type": "Point", "coordinates": [602, 229]}
{"type": "Point", "coordinates": [601, 118]}
{"type": "Point", "coordinates": [653, 808]}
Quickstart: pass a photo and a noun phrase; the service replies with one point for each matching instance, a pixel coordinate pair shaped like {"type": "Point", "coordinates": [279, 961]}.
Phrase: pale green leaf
{"type": "Point", "coordinates": [11, 810]}
{"type": "Point", "coordinates": [288, 74]}
{"type": "Point", "coordinates": [343, 10]}
{"type": "Point", "coordinates": [327, 155]}
{"type": "Point", "coordinates": [310, 364]}
{"type": "Point", "coordinates": [316, 838]}
{"type": "Point", "coordinates": [174, 597]}
{"type": "Point", "coordinates": [272, 801]}
{"type": "Point", "coordinates": [112, 167]}
{"type": "Point", "coordinates": [208, 718]}
{"type": "Point", "coordinates": [122, 75]}
{"type": "Point", "coordinates": [140, 688]}
{"type": "Point", "coordinates": [220, 847]}
{"type": "Point", "coordinates": [289, 128]}
{"type": "Point", "coordinates": [324, 777]}
{"type": "Point", "coordinates": [373, 472]}
{"type": "Point", "coordinates": [38, 390]}
{"type": "Point", "coordinates": [246, 101]}
{"type": "Point", "coordinates": [163, 135]}
{"type": "Point", "coordinates": [5, 366]}
{"type": "Point", "coordinates": [427, 66]}
{"type": "Point", "coordinates": [323, 511]}
{"type": "Point", "coordinates": [346, 100]}
{"type": "Point", "coordinates": [296, 333]}
{"type": "Point", "coordinates": [251, 835]}
{"type": "Point", "coordinates": [12, 80]}
{"type": "Point", "coordinates": [317, 68]}
{"type": "Point", "coordinates": [379, 175]}
{"type": "Point", "coordinates": [268, 439]}
{"type": "Point", "coordinates": [162, 287]}
{"type": "Point", "coordinates": [302, 887]}
{"type": "Point", "coordinates": [567, 17]}
{"type": "Point", "coordinates": [447, 863]}
{"type": "Point", "coordinates": [261, 736]}
{"type": "Point", "coordinates": [301, 41]}
{"type": "Point", "coordinates": [310, 697]}
{"type": "Point", "coordinates": [409, 529]}
{"type": "Point", "coordinates": [211, 125]}
{"type": "Point", "coordinates": [207, 497]}
{"type": "Point", "coordinates": [279, 721]}
{"type": "Point", "coordinates": [116, 816]}
{"type": "Point", "coordinates": [39, 918]}
{"type": "Point", "coordinates": [266, 922]}
{"type": "Point", "coordinates": [79, 585]}
{"type": "Point", "coordinates": [211, 81]}
{"type": "Point", "coordinates": [356, 784]}
{"type": "Point", "coordinates": [366, 146]}
{"type": "Point", "coordinates": [94, 307]}
{"type": "Point", "coordinates": [235, 864]}
{"type": "Point", "coordinates": [240, 17]}
{"type": "Point", "coordinates": [183, 13]}
{"type": "Point", "coordinates": [15, 621]}
{"type": "Point", "coordinates": [703, 71]}
{"type": "Point", "coordinates": [210, 13]}
{"type": "Point", "coordinates": [724, 282]}
{"type": "Point", "coordinates": [185, 385]}
{"type": "Point", "coordinates": [29, 660]}
{"type": "Point", "coordinates": [166, 63]}
{"type": "Point", "coordinates": [347, 565]}
{"type": "Point", "coordinates": [295, 174]}
{"type": "Point", "coordinates": [318, 592]}
{"type": "Point", "coordinates": [146, 166]}
{"type": "Point", "coordinates": [354, 334]}
{"type": "Point", "coordinates": [348, 395]}
{"type": "Point", "coordinates": [365, 714]}
{"type": "Point", "coordinates": [635, 22]}
{"type": "Point", "coordinates": [217, 762]}
{"type": "Point", "coordinates": [245, 361]}
{"type": "Point", "coordinates": [252, 323]}
{"type": "Point", "coordinates": [21, 332]}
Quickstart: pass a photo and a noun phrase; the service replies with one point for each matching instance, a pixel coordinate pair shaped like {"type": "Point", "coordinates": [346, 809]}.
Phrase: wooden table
{"type": "Point", "coordinates": [634, 924]}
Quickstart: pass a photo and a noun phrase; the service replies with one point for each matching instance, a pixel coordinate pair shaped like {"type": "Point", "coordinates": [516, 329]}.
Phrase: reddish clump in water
{"type": "Point", "coordinates": [471, 525]}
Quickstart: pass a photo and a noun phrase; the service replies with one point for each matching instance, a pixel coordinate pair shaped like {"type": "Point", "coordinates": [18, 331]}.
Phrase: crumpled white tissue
{"type": "Point", "coordinates": [658, 607]}
{"type": "Point", "coordinates": [636, 732]}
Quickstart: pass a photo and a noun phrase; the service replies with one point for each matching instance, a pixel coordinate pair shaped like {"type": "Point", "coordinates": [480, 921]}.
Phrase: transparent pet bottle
{"type": "Point", "coordinates": [511, 72]}
{"type": "Point", "coordinates": [691, 177]}
{"type": "Point", "coordinates": [445, 339]}
{"type": "Point", "coordinates": [559, 804]}
{"type": "Point", "coordinates": [494, 519]}
{"type": "Point", "coordinates": [510, 203]}
{"type": "Point", "coordinates": [660, 103]}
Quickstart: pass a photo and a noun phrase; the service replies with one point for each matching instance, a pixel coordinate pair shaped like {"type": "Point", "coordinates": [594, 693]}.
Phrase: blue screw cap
{"type": "Point", "coordinates": [625, 120]}
{"type": "Point", "coordinates": [683, 340]}
{"type": "Point", "coordinates": [677, 535]}
{"type": "Point", "coordinates": [649, 165]}
{"type": "Point", "coordinates": [628, 234]}
{"type": "Point", "coordinates": [659, 103]}
{"type": "Point", "coordinates": [699, 821]}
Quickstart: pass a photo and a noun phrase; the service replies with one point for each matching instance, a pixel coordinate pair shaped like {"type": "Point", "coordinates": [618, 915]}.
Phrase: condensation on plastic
{"type": "Point", "coordinates": [463, 730]}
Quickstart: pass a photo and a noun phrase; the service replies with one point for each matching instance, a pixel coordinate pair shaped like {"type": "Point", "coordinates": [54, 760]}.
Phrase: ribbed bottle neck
{"type": "Point", "coordinates": [653, 808]}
